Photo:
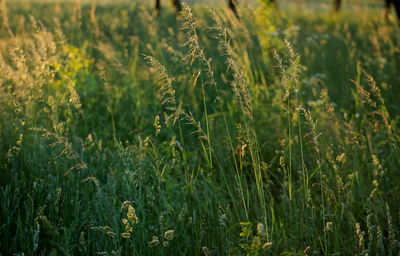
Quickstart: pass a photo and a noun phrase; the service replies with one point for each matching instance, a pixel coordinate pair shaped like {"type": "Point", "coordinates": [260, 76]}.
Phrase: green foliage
{"type": "Point", "coordinates": [124, 133]}
{"type": "Point", "coordinates": [251, 243]}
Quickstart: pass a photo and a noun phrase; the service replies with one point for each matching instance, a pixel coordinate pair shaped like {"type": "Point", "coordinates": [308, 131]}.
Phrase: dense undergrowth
{"type": "Point", "coordinates": [199, 134]}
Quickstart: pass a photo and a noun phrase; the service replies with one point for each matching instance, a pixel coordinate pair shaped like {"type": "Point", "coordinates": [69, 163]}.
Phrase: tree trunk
{"type": "Point", "coordinates": [232, 6]}
{"type": "Point", "coordinates": [177, 5]}
{"type": "Point", "coordinates": [396, 4]}
{"type": "Point", "coordinates": [388, 6]}
{"type": "Point", "coordinates": [336, 5]}
{"type": "Point", "coordinates": [157, 8]}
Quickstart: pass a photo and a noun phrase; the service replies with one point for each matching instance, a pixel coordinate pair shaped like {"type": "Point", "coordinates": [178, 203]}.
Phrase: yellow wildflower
{"type": "Point", "coordinates": [126, 235]}
{"type": "Point", "coordinates": [132, 215]}
{"type": "Point", "coordinates": [169, 235]}
{"type": "Point", "coordinates": [267, 245]}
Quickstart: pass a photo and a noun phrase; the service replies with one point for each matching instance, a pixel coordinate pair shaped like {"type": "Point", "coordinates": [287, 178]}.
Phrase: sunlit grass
{"type": "Point", "coordinates": [124, 133]}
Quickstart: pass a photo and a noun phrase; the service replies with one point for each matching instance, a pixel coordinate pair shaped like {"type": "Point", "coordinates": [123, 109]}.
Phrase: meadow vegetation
{"type": "Point", "coordinates": [122, 133]}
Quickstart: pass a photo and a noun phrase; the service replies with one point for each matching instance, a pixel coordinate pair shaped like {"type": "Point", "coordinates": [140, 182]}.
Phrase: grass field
{"type": "Point", "coordinates": [122, 133]}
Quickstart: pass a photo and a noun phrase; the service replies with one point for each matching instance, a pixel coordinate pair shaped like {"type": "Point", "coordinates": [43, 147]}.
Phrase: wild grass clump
{"type": "Point", "coordinates": [200, 134]}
